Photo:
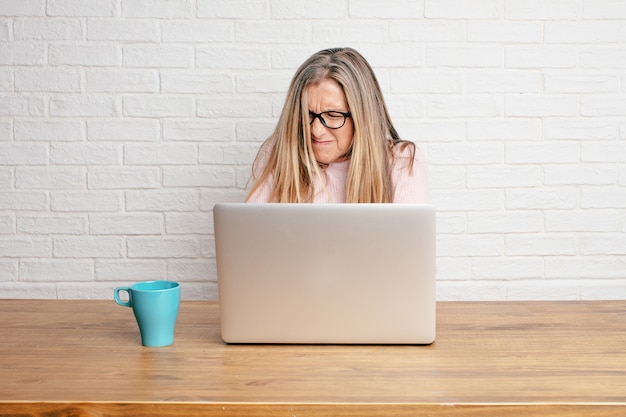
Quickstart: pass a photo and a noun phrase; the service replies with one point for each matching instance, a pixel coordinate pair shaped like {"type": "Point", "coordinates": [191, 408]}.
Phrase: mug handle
{"type": "Point", "coordinates": [116, 295]}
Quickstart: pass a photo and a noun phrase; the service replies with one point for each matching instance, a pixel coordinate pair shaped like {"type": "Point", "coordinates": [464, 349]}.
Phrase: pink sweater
{"type": "Point", "coordinates": [409, 187]}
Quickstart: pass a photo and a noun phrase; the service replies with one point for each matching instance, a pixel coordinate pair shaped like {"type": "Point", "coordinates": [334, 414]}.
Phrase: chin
{"type": "Point", "coordinates": [325, 159]}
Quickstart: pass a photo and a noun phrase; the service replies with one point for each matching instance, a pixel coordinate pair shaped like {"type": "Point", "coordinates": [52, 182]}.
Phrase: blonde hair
{"type": "Point", "coordinates": [291, 159]}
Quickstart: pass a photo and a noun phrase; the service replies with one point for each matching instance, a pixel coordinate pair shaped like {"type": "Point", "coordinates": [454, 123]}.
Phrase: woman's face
{"type": "Point", "coordinates": [329, 145]}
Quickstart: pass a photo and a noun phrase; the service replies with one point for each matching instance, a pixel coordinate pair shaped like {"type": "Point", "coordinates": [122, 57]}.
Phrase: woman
{"type": "Point", "coordinates": [334, 141]}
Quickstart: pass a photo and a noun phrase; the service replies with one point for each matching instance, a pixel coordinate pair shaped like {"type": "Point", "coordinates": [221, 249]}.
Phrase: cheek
{"type": "Point", "coordinates": [346, 139]}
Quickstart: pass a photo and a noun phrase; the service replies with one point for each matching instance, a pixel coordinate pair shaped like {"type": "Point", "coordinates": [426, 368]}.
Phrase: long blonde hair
{"type": "Point", "coordinates": [291, 157]}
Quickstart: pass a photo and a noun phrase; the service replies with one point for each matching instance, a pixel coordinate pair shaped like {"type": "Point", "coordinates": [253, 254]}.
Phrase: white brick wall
{"type": "Point", "coordinates": [122, 122]}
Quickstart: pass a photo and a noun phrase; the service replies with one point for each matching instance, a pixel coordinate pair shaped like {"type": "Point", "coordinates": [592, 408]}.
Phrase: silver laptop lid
{"type": "Point", "coordinates": [326, 273]}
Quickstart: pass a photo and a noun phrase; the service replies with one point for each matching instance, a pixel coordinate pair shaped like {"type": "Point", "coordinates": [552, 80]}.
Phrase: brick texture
{"type": "Point", "coordinates": [122, 122]}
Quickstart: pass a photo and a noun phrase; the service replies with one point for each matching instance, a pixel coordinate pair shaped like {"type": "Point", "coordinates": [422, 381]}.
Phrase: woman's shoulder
{"type": "Point", "coordinates": [409, 174]}
{"type": "Point", "coordinates": [406, 153]}
{"type": "Point", "coordinates": [403, 148]}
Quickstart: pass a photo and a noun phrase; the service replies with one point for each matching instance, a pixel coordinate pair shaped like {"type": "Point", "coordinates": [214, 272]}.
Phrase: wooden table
{"type": "Point", "coordinates": [84, 358]}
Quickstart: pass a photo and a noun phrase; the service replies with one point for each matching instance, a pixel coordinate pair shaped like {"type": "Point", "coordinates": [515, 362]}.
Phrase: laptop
{"type": "Point", "coordinates": [326, 273]}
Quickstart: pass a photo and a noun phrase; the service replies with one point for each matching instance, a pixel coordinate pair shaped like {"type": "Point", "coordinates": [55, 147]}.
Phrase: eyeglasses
{"type": "Point", "coordinates": [330, 119]}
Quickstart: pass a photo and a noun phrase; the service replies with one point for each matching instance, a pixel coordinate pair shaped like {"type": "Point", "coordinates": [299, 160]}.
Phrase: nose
{"type": "Point", "coordinates": [317, 128]}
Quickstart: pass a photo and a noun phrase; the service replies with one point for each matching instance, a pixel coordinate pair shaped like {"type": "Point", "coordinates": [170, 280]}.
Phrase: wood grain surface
{"type": "Point", "coordinates": [84, 358]}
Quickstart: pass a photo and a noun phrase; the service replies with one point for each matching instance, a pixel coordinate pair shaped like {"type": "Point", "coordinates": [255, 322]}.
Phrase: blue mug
{"type": "Point", "coordinates": [155, 305]}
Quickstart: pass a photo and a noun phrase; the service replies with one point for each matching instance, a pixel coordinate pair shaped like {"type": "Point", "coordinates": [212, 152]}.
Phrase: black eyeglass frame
{"type": "Point", "coordinates": [319, 116]}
